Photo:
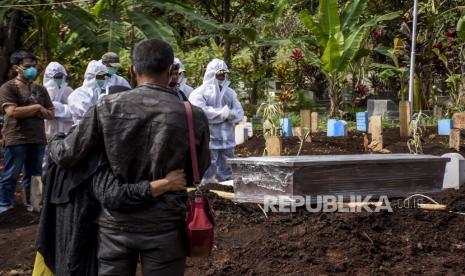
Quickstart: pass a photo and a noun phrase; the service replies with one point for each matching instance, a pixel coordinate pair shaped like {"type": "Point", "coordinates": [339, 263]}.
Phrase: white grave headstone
{"type": "Point", "coordinates": [249, 128]}
{"type": "Point", "coordinates": [384, 108]}
{"type": "Point", "coordinates": [454, 175]}
{"type": "Point", "coordinates": [239, 134]}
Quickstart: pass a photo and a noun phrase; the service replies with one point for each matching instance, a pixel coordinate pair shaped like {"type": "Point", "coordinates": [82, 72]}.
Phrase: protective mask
{"type": "Point", "coordinates": [112, 70]}
{"type": "Point", "coordinates": [221, 82]}
{"type": "Point", "coordinates": [59, 82]}
{"type": "Point", "coordinates": [101, 83]}
{"type": "Point", "coordinates": [180, 78]}
{"type": "Point", "coordinates": [30, 73]}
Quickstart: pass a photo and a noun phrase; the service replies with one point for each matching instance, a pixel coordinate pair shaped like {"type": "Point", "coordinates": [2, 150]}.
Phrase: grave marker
{"type": "Point", "coordinates": [305, 119]}
{"type": "Point", "coordinates": [404, 117]}
{"type": "Point", "coordinates": [375, 125]}
{"type": "Point", "coordinates": [459, 120]}
{"type": "Point", "coordinates": [314, 116]}
{"type": "Point", "coordinates": [273, 146]}
{"type": "Point", "coordinates": [362, 121]}
{"type": "Point", "coordinates": [454, 139]}
{"type": "Point", "coordinates": [445, 126]}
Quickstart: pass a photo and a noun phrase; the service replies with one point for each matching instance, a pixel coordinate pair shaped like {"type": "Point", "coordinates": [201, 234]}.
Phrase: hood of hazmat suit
{"type": "Point", "coordinates": [87, 95]}
{"type": "Point", "coordinates": [115, 80]}
{"type": "Point", "coordinates": [220, 105]}
{"type": "Point", "coordinates": [182, 80]}
{"type": "Point", "coordinates": [59, 95]}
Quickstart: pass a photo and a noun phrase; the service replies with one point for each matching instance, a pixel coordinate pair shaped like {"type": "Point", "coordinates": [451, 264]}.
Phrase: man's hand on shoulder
{"type": "Point", "coordinates": [174, 181]}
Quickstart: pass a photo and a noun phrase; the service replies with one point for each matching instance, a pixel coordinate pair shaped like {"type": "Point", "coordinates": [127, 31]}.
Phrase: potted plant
{"type": "Point", "coordinates": [270, 111]}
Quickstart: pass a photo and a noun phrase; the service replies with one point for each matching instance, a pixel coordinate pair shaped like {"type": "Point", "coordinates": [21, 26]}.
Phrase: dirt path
{"type": "Point", "coordinates": [17, 236]}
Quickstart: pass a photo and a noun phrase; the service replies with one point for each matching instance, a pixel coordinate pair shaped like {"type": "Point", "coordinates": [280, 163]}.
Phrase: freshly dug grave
{"type": "Point", "coordinates": [353, 143]}
{"type": "Point", "coordinates": [406, 241]}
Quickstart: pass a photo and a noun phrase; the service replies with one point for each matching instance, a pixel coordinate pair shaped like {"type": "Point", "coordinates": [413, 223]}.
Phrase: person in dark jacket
{"type": "Point", "coordinates": [144, 134]}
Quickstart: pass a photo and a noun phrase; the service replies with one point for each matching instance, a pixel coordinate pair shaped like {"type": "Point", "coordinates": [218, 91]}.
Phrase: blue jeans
{"type": "Point", "coordinates": [30, 157]}
{"type": "Point", "coordinates": [219, 167]}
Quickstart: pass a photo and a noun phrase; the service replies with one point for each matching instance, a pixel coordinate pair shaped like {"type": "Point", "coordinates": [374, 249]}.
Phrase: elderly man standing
{"type": "Point", "coordinates": [26, 104]}
{"type": "Point", "coordinates": [112, 62]}
{"type": "Point", "coordinates": [219, 102]}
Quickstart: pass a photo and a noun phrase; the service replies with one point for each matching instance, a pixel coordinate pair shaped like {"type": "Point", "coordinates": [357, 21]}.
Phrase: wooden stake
{"type": "Point", "coordinates": [404, 117]}
{"type": "Point", "coordinates": [297, 131]}
{"type": "Point", "coordinates": [314, 119]}
{"type": "Point", "coordinates": [222, 194]}
{"type": "Point", "coordinates": [376, 144]}
{"type": "Point", "coordinates": [273, 146]}
{"type": "Point", "coordinates": [375, 125]}
{"type": "Point", "coordinates": [305, 119]}
{"type": "Point", "coordinates": [433, 207]}
{"type": "Point", "coordinates": [361, 204]}
{"type": "Point", "coordinates": [454, 139]}
{"type": "Point", "coordinates": [459, 120]}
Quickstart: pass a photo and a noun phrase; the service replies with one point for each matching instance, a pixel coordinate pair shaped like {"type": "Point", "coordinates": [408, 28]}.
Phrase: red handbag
{"type": "Point", "coordinates": [199, 221]}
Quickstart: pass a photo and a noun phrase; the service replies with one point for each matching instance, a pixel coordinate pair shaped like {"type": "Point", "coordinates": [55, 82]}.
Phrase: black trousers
{"type": "Point", "coordinates": [162, 254]}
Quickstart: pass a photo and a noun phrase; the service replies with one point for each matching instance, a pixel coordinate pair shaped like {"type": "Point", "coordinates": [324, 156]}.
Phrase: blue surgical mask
{"type": "Point", "coordinates": [101, 83]}
{"type": "Point", "coordinates": [221, 82]}
{"type": "Point", "coordinates": [59, 82]}
{"type": "Point", "coordinates": [112, 70]}
{"type": "Point", "coordinates": [30, 73]}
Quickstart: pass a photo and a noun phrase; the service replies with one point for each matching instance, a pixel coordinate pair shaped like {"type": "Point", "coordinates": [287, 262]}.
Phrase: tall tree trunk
{"type": "Point", "coordinates": [254, 92]}
{"type": "Point", "coordinates": [43, 35]}
{"type": "Point", "coordinates": [226, 38]}
{"type": "Point", "coordinates": [9, 46]}
{"type": "Point", "coordinates": [335, 97]}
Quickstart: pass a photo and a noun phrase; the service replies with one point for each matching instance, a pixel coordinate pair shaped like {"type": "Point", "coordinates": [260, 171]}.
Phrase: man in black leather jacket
{"type": "Point", "coordinates": [145, 136]}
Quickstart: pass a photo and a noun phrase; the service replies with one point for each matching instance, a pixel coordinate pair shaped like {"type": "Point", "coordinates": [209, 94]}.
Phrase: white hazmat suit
{"type": "Point", "coordinates": [87, 95]}
{"type": "Point", "coordinates": [223, 110]}
{"type": "Point", "coordinates": [59, 95]}
{"type": "Point", "coordinates": [115, 80]}
{"type": "Point", "coordinates": [182, 80]}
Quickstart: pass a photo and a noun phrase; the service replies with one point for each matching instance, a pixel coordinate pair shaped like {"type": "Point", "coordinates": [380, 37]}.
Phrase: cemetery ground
{"type": "Point", "coordinates": [404, 242]}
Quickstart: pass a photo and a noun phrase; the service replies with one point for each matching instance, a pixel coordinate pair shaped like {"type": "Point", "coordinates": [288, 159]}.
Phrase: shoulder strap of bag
{"type": "Point", "coordinates": [193, 150]}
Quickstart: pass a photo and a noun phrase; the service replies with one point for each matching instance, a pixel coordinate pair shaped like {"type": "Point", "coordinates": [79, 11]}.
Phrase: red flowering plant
{"type": "Point", "coordinates": [298, 62]}
{"type": "Point", "coordinates": [288, 98]}
{"type": "Point", "coordinates": [297, 55]}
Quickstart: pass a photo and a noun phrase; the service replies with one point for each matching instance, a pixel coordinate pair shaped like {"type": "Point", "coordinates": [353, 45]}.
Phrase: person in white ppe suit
{"type": "Point", "coordinates": [95, 79]}
{"type": "Point", "coordinates": [181, 78]}
{"type": "Point", "coordinates": [223, 110]}
{"type": "Point", "coordinates": [59, 91]}
{"type": "Point", "coordinates": [112, 62]}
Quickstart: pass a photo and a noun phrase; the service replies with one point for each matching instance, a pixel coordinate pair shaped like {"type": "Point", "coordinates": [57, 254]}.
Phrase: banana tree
{"type": "Point", "coordinates": [336, 41]}
{"type": "Point", "coordinates": [45, 31]}
{"type": "Point", "coordinates": [395, 70]}
{"type": "Point", "coordinates": [112, 25]}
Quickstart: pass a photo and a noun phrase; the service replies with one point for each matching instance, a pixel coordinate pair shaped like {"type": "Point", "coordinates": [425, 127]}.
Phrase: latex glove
{"type": "Point", "coordinates": [232, 115]}
{"type": "Point", "coordinates": [225, 113]}
{"type": "Point", "coordinates": [59, 107]}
